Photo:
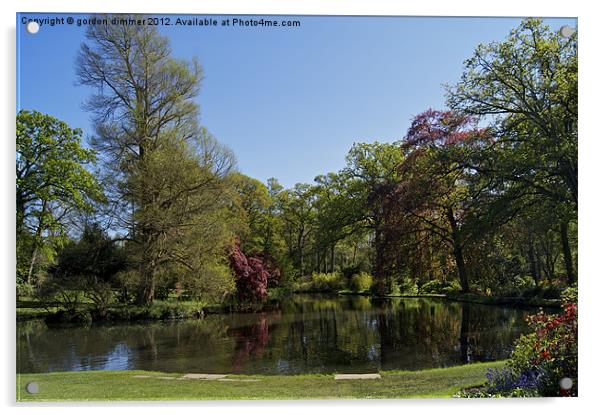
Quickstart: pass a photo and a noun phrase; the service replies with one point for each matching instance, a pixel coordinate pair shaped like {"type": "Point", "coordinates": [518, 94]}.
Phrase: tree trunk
{"type": "Point", "coordinates": [146, 291]}
{"type": "Point", "coordinates": [36, 243]}
{"type": "Point", "coordinates": [532, 261]}
{"type": "Point", "coordinates": [458, 254]}
{"type": "Point", "coordinates": [381, 282]}
{"type": "Point", "coordinates": [566, 251]}
{"type": "Point", "coordinates": [332, 258]}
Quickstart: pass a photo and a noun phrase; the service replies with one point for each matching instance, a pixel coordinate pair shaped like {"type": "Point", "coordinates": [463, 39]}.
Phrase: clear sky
{"type": "Point", "coordinates": [289, 102]}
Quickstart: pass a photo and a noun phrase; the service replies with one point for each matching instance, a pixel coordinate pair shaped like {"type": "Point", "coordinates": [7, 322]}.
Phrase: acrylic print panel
{"type": "Point", "coordinates": [209, 206]}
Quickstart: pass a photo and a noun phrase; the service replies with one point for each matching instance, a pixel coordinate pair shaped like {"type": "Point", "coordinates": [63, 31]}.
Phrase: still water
{"type": "Point", "coordinates": [304, 334]}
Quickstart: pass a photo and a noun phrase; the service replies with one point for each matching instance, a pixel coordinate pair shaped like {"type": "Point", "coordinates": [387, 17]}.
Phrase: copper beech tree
{"type": "Point", "coordinates": [433, 197]}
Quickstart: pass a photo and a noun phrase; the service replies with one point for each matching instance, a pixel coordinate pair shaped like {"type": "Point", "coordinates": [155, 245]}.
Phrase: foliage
{"type": "Point", "coordinates": [101, 294]}
{"type": "Point", "coordinates": [361, 282]}
{"type": "Point", "coordinates": [166, 177]}
{"type": "Point", "coordinates": [406, 286]}
{"type": "Point", "coordinates": [480, 197]}
{"type": "Point", "coordinates": [323, 282]}
{"type": "Point", "coordinates": [52, 183]}
{"type": "Point", "coordinates": [552, 347]}
{"type": "Point", "coordinates": [252, 274]}
{"type": "Point", "coordinates": [527, 86]}
{"type": "Point", "coordinates": [540, 359]}
{"type": "Point", "coordinates": [93, 258]}
{"type": "Point", "coordinates": [25, 290]}
{"type": "Point", "coordinates": [439, 287]}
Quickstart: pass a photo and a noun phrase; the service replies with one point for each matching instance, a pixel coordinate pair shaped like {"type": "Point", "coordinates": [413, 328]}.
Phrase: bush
{"type": "Point", "coordinates": [101, 295]}
{"type": "Point", "coordinates": [333, 281]}
{"type": "Point", "coordinates": [349, 272]}
{"type": "Point", "coordinates": [361, 282]}
{"type": "Point", "coordinates": [406, 287]}
{"type": "Point", "coordinates": [551, 349]}
{"type": "Point", "coordinates": [517, 286]}
{"type": "Point", "coordinates": [79, 316]}
{"type": "Point", "coordinates": [440, 287]}
{"type": "Point", "coordinates": [25, 290]}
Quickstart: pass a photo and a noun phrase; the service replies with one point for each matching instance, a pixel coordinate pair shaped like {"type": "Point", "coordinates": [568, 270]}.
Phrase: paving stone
{"type": "Point", "coordinates": [354, 376]}
{"type": "Point", "coordinates": [203, 376]}
{"type": "Point", "coordinates": [238, 380]}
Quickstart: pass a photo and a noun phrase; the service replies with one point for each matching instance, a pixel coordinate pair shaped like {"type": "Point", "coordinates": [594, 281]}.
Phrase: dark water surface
{"type": "Point", "coordinates": [303, 334]}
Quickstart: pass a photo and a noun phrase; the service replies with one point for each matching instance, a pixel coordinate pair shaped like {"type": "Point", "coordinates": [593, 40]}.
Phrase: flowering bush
{"type": "Point", "coordinates": [540, 359]}
{"type": "Point", "coordinates": [507, 382]}
{"type": "Point", "coordinates": [552, 348]}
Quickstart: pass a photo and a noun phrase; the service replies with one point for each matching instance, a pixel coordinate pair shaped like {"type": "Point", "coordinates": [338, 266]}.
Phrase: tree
{"type": "Point", "coordinates": [371, 172]}
{"type": "Point", "coordinates": [254, 200]}
{"type": "Point", "coordinates": [167, 173]}
{"type": "Point", "coordinates": [94, 258]}
{"type": "Point", "coordinates": [527, 85]}
{"type": "Point", "coordinates": [434, 192]}
{"type": "Point", "coordinates": [298, 212]}
{"type": "Point", "coordinates": [252, 274]}
{"type": "Point", "coordinates": [52, 181]}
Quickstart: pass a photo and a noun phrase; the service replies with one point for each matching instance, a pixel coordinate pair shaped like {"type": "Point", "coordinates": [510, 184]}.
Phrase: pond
{"type": "Point", "coordinates": [304, 334]}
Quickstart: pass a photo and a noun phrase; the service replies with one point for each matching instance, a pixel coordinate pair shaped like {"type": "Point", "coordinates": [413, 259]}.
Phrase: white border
{"type": "Point", "coordinates": [589, 214]}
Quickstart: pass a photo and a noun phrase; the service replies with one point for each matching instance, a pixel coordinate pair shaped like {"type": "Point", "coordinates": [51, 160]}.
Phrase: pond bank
{"type": "Point", "coordinates": [144, 385]}
{"type": "Point", "coordinates": [178, 310]}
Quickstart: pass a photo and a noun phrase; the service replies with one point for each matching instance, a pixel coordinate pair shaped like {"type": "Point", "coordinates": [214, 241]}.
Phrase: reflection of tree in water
{"type": "Point", "coordinates": [250, 341]}
{"type": "Point", "coordinates": [488, 332]}
{"type": "Point", "coordinates": [164, 346]}
{"type": "Point", "coordinates": [304, 334]}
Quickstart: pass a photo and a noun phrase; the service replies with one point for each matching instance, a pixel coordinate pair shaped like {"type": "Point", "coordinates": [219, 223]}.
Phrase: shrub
{"type": "Point", "coordinates": [101, 295]}
{"type": "Point", "coordinates": [25, 290]}
{"type": "Point", "coordinates": [326, 281]}
{"type": "Point", "coordinates": [349, 272]}
{"type": "Point", "coordinates": [361, 282]}
{"type": "Point", "coordinates": [407, 287]}
{"type": "Point", "coordinates": [552, 348]}
{"type": "Point", "coordinates": [252, 274]}
{"type": "Point", "coordinates": [439, 287]}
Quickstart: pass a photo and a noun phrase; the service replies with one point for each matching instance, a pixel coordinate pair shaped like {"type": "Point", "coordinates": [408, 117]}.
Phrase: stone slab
{"type": "Point", "coordinates": [238, 380]}
{"type": "Point", "coordinates": [356, 376]}
{"type": "Point", "coordinates": [203, 376]}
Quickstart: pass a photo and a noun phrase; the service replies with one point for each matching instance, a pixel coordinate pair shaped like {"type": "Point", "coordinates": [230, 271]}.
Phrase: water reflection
{"type": "Point", "coordinates": [304, 334]}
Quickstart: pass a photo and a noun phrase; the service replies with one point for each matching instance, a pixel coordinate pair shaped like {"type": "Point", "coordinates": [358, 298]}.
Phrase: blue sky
{"type": "Point", "coordinates": [289, 102]}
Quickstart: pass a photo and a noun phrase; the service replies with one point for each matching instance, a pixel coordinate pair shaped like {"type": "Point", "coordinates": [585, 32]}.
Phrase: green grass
{"type": "Point", "coordinates": [122, 385]}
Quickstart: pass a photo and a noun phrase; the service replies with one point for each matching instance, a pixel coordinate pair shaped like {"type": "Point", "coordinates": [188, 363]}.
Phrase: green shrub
{"type": "Point", "coordinates": [332, 281]}
{"type": "Point", "coordinates": [361, 282]}
{"type": "Point", "coordinates": [407, 287]}
{"type": "Point", "coordinates": [25, 290]}
{"type": "Point", "coordinates": [439, 287]}
{"type": "Point", "coordinates": [349, 272]}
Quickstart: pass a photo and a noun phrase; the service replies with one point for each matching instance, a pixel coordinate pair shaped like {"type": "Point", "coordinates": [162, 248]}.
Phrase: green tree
{"type": "Point", "coordinates": [51, 182]}
{"type": "Point", "coordinates": [527, 86]}
{"type": "Point", "coordinates": [371, 172]}
{"type": "Point", "coordinates": [298, 213]}
{"type": "Point", "coordinates": [167, 174]}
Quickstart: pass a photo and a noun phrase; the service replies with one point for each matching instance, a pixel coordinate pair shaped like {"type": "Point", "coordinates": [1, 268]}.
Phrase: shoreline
{"type": "Point", "coordinates": [174, 310]}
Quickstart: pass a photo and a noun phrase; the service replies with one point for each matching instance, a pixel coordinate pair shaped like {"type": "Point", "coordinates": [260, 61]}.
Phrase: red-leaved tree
{"type": "Point", "coordinates": [253, 273]}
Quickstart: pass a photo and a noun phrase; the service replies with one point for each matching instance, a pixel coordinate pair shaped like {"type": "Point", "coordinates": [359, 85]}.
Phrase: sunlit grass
{"type": "Point", "coordinates": [123, 385]}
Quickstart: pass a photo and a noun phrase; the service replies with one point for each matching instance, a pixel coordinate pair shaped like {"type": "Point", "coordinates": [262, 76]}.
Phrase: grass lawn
{"type": "Point", "coordinates": [124, 385]}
